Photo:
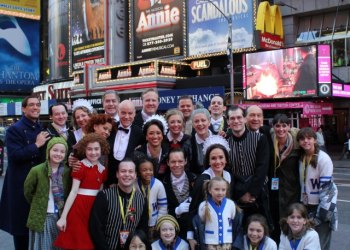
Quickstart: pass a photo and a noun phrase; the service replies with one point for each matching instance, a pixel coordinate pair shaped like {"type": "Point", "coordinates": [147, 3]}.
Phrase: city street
{"type": "Point", "coordinates": [340, 238]}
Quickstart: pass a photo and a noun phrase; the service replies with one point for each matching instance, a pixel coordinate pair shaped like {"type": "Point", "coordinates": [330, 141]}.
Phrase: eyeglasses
{"type": "Point", "coordinates": [34, 104]}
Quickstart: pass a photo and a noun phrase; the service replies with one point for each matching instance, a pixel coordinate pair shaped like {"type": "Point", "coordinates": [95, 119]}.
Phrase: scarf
{"type": "Point", "coordinates": [285, 153]}
{"type": "Point", "coordinates": [57, 187]}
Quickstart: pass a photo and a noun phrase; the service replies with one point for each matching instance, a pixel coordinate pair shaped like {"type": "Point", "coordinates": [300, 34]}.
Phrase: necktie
{"type": "Point", "coordinates": [126, 130]}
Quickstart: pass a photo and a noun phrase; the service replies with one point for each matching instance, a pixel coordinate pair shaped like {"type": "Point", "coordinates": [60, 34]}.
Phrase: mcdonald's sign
{"type": "Point", "coordinates": [269, 26]}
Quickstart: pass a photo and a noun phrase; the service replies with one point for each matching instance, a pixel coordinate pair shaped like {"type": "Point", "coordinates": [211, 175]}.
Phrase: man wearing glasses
{"type": "Point", "coordinates": [24, 140]}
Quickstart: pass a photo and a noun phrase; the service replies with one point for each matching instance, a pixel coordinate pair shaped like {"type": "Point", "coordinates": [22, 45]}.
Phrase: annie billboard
{"type": "Point", "coordinates": [158, 28]}
{"type": "Point", "coordinates": [19, 53]}
{"type": "Point", "coordinates": [208, 28]}
{"type": "Point", "coordinates": [87, 33]}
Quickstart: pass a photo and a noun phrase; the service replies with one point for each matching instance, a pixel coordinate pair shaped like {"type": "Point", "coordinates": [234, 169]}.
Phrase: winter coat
{"type": "Point", "coordinates": [23, 154]}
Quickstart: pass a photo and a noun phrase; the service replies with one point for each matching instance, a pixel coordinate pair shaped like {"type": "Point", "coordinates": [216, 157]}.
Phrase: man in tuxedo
{"type": "Point", "coordinates": [124, 141]}
{"type": "Point", "coordinates": [150, 105]}
{"type": "Point", "coordinates": [218, 123]}
{"type": "Point", "coordinates": [110, 101]}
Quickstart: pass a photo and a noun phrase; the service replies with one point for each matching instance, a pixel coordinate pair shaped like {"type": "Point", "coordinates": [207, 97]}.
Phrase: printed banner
{"type": "Point", "coordinates": [341, 90]}
{"type": "Point", "coordinates": [19, 53]}
{"type": "Point", "coordinates": [21, 8]}
{"type": "Point", "coordinates": [58, 40]}
{"type": "Point", "coordinates": [309, 108]}
{"type": "Point", "coordinates": [169, 98]}
{"type": "Point", "coordinates": [158, 28]}
{"type": "Point", "coordinates": [208, 28]}
{"type": "Point", "coordinates": [87, 33]}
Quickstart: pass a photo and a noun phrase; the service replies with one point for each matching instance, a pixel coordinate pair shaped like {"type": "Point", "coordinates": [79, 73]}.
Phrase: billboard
{"type": "Point", "coordinates": [169, 98]}
{"type": "Point", "coordinates": [21, 8]}
{"type": "Point", "coordinates": [118, 31]}
{"type": "Point", "coordinates": [284, 73]}
{"type": "Point", "coordinates": [269, 26]}
{"type": "Point", "coordinates": [58, 39]}
{"type": "Point", "coordinates": [158, 28]}
{"type": "Point", "coordinates": [324, 70]}
{"type": "Point", "coordinates": [19, 53]}
{"type": "Point", "coordinates": [87, 33]}
{"type": "Point", "coordinates": [208, 29]}
{"type": "Point", "coordinates": [341, 90]}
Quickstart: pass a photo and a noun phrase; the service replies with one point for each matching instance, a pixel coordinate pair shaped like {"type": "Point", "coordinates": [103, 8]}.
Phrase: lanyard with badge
{"type": "Point", "coordinates": [123, 234]}
{"type": "Point", "coordinates": [305, 164]}
{"type": "Point", "coordinates": [275, 180]}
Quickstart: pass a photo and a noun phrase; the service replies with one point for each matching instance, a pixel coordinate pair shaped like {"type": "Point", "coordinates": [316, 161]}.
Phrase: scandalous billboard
{"type": "Point", "coordinates": [58, 36]}
{"type": "Point", "coordinates": [19, 53]}
{"type": "Point", "coordinates": [284, 73]}
{"type": "Point", "coordinates": [158, 28]}
{"type": "Point", "coordinates": [87, 33]}
{"type": "Point", "coordinates": [21, 8]}
{"type": "Point", "coordinates": [208, 28]}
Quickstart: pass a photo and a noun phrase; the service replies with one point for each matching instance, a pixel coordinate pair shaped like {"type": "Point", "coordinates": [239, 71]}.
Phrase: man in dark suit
{"type": "Point", "coordinates": [59, 114]}
{"type": "Point", "coordinates": [25, 141]}
{"type": "Point", "coordinates": [110, 102]}
{"type": "Point", "coordinates": [150, 105]}
{"type": "Point", "coordinates": [124, 141]}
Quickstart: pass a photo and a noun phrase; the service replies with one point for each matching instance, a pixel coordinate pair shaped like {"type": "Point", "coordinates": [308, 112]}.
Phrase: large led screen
{"type": "Point", "coordinates": [284, 73]}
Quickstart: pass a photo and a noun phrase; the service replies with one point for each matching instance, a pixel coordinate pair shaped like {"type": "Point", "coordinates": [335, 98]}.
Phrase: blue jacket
{"type": "Point", "coordinates": [23, 154]}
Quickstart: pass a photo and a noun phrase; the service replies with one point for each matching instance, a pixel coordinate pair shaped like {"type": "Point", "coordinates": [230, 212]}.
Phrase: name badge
{"type": "Point", "coordinates": [123, 236]}
{"type": "Point", "coordinates": [275, 183]}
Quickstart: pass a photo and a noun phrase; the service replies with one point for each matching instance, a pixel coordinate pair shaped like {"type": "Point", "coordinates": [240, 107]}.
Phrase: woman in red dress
{"type": "Point", "coordinates": [87, 181]}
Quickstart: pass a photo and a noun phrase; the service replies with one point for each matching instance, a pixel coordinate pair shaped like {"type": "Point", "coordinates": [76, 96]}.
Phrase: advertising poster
{"type": "Point", "coordinates": [19, 54]}
{"type": "Point", "coordinates": [58, 40]}
{"type": "Point", "coordinates": [158, 28]}
{"type": "Point", "coordinates": [169, 98]}
{"type": "Point", "coordinates": [208, 29]}
{"type": "Point", "coordinates": [87, 33]}
{"type": "Point", "coordinates": [341, 90]}
{"type": "Point", "coordinates": [284, 73]}
{"type": "Point", "coordinates": [118, 32]}
{"type": "Point", "coordinates": [21, 8]}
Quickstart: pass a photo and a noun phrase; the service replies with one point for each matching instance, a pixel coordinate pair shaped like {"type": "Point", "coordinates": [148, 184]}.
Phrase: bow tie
{"type": "Point", "coordinates": [216, 125]}
{"type": "Point", "coordinates": [126, 130]}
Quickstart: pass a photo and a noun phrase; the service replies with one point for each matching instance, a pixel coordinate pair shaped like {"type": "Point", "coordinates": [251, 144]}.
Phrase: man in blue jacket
{"type": "Point", "coordinates": [24, 140]}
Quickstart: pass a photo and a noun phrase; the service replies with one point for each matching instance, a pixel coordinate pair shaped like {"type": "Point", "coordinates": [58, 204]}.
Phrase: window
{"type": "Point", "coordinates": [328, 28]}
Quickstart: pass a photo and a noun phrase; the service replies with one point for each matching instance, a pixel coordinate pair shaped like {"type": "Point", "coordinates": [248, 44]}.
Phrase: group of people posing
{"type": "Point", "coordinates": [213, 178]}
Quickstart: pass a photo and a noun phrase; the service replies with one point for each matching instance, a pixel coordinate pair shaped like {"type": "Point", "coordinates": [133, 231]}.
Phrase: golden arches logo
{"type": "Point", "coordinates": [269, 19]}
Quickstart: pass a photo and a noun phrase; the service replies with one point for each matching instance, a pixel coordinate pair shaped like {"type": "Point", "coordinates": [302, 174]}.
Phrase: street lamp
{"type": "Point", "coordinates": [229, 50]}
